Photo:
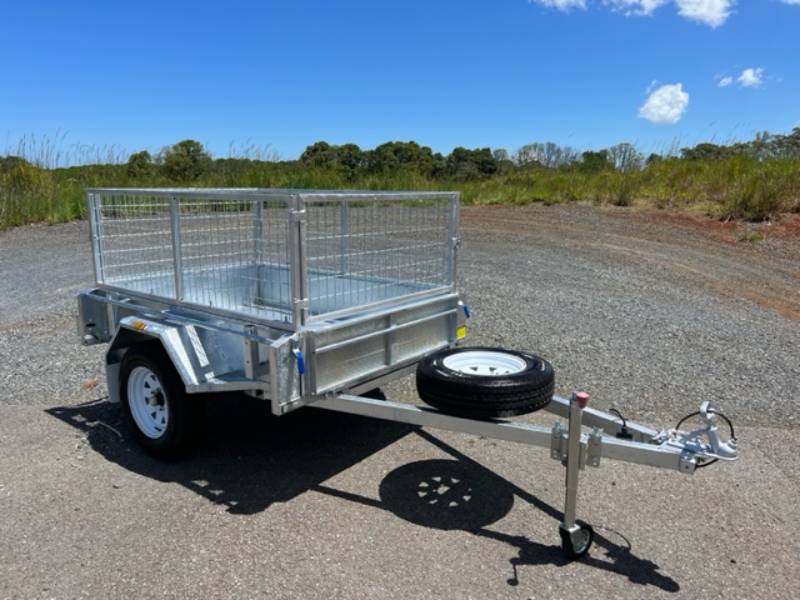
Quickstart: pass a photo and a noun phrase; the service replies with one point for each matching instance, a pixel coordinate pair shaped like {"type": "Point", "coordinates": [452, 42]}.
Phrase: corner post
{"type": "Point", "coordinates": [298, 267]}
{"type": "Point", "coordinates": [344, 247]}
{"type": "Point", "coordinates": [258, 249]}
{"type": "Point", "coordinates": [95, 214]}
{"type": "Point", "coordinates": [177, 257]}
{"type": "Point", "coordinates": [452, 239]}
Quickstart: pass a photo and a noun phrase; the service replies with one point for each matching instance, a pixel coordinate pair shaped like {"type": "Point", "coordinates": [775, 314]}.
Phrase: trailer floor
{"type": "Point", "coordinates": [322, 505]}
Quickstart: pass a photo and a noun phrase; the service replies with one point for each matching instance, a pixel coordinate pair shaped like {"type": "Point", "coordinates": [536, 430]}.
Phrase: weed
{"type": "Point", "coordinates": [752, 236]}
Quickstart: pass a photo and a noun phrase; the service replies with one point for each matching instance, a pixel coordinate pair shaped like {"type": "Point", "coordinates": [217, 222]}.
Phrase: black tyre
{"type": "Point", "coordinates": [164, 421]}
{"type": "Point", "coordinates": [485, 383]}
{"type": "Point", "coordinates": [577, 544]}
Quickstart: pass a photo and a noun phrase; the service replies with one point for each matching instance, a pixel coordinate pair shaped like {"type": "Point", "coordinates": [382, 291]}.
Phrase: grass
{"type": "Point", "coordinates": [738, 187]}
{"type": "Point", "coordinates": [752, 236]}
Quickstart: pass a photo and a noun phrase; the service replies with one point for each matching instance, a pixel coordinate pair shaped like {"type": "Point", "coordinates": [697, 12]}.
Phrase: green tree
{"type": "Point", "coordinates": [393, 156]}
{"type": "Point", "coordinates": [545, 154]}
{"type": "Point", "coordinates": [185, 161]}
{"type": "Point", "coordinates": [625, 157]}
{"type": "Point", "coordinates": [706, 151]}
{"type": "Point", "coordinates": [464, 164]}
{"type": "Point", "coordinates": [653, 159]}
{"type": "Point", "coordinates": [500, 154]}
{"type": "Point", "coordinates": [9, 162]}
{"type": "Point", "coordinates": [319, 154]}
{"type": "Point", "coordinates": [504, 163]}
{"type": "Point", "coordinates": [139, 164]}
{"type": "Point", "coordinates": [595, 162]}
{"type": "Point", "coordinates": [349, 157]}
{"type": "Point", "coordinates": [766, 145]}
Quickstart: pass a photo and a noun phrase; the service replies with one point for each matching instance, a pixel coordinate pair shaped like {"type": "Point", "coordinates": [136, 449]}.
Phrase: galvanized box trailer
{"type": "Point", "coordinates": [304, 296]}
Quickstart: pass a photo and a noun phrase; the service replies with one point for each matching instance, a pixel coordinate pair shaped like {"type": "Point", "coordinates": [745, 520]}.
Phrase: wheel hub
{"type": "Point", "coordinates": [147, 402]}
{"type": "Point", "coordinates": [486, 363]}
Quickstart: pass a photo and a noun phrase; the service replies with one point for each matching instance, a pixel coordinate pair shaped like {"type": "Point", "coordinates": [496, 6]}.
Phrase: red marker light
{"type": "Point", "coordinates": [582, 398]}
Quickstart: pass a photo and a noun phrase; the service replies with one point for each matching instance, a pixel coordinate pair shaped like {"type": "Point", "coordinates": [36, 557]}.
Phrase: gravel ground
{"type": "Point", "coordinates": [648, 316]}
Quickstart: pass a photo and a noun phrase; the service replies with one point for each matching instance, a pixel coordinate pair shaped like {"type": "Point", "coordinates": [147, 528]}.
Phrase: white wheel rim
{"type": "Point", "coordinates": [487, 363]}
{"type": "Point", "coordinates": [148, 402]}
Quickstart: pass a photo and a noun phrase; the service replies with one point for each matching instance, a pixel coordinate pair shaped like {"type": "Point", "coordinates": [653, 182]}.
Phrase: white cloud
{"type": "Point", "coordinates": [635, 7]}
{"type": "Point", "coordinates": [665, 105]}
{"type": "Point", "coordinates": [752, 77]}
{"type": "Point", "coordinates": [565, 5]}
{"type": "Point", "coordinates": [710, 12]}
{"type": "Point", "coordinates": [795, 2]}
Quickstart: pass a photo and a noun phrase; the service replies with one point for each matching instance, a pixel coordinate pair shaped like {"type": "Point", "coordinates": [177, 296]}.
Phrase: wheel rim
{"type": "Point", "coordinates": [148, 402]}
{"type": "Point", "coordinates": [581, 540]}
{"type": "Point", "coordinates": [486, 363]}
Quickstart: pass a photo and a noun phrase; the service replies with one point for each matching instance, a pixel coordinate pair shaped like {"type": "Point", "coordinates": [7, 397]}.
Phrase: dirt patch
{"type": "Point", "coordinates": [785, 226]}
{"type": "Point", "coordinates": [724, 231]}
{"type": "Point", "coordinates": [702, 251]}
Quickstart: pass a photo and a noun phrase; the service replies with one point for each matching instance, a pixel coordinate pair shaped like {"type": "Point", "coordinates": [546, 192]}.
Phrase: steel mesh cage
{"type": "Point", "coordinates": [361, 251]}
{"type": "Point", "coordinates": [276, 255]}
{"type": "Point", "coordinates": [135, 243]}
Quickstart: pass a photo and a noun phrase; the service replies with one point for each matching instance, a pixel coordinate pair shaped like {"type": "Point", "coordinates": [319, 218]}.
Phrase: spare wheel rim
{"type": "Point", "coordinates": [148, 402]}
{"type": "Point", "coordinates": [485, 363]}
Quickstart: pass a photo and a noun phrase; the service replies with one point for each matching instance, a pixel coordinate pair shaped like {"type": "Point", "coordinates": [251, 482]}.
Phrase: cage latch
{"type": "Point", "coordinates": [301, 363]}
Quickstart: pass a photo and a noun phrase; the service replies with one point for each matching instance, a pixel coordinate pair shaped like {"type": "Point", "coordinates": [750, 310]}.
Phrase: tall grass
{"type": "Point", "coordinates": [41, 190]}
{"type": "Point", "coordinates": [739, 187]}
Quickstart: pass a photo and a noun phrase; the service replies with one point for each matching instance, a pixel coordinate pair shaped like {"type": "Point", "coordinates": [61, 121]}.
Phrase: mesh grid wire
{"type": "Point", "coordinates": [136, 244]}
{"type": "Point", "coordinates": [365, 251]}
{"type": "Point", "coordinates": [230, 258]}
{"type": "Point", "coordinates": [234, 251]}
{"type": "Point", "coordinates": [234, 258]}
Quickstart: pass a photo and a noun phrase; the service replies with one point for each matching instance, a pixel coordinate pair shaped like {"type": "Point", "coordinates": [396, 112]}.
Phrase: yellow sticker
{"type": "Point", "coordinates": [139, 325]}
{"type": "Point", "coordinates": [461, 332]}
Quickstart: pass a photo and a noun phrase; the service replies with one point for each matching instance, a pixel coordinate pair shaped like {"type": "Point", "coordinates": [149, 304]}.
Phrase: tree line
{"type": "Point", "coordinates": [188, 160]}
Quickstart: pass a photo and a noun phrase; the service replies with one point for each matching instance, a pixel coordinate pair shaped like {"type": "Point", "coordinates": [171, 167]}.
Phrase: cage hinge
{"type": "Point", "coordinates": [299, 215]}
{"type": "Point", "coordinates": [299, 361]}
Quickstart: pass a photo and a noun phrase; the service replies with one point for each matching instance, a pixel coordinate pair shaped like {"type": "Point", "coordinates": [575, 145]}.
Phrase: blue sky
{"type": "Point", "coordinates": [445, 73]}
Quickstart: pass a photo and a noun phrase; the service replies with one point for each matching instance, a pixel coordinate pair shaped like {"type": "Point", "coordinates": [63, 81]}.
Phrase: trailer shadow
{"type": "Point", "coordinates": [400, 493]}
{"type": "Point", "coordinates": [251, 462]}
{"type": "Point", "coordinates": [248, 459]}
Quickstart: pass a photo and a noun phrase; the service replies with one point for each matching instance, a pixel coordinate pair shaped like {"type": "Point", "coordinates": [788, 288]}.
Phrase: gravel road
{"type": "Point", "coordinates": [648, 314]}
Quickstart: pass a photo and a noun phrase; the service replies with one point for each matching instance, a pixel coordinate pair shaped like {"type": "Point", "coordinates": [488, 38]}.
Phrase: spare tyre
{"type": "Point", "coordinates": [484, 383]}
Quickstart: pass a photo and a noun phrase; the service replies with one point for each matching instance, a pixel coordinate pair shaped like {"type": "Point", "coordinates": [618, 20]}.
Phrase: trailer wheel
{"type": "Point", "coordinates": [577, 543]}
{"type": "Point", "coordinates": [485, 383]}
{"type": "Point", "coordinates": [155, 404]}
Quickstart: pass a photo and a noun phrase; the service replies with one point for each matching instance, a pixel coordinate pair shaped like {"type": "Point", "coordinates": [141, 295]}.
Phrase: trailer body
{"type": "Point", "coordinates": [287, 295]}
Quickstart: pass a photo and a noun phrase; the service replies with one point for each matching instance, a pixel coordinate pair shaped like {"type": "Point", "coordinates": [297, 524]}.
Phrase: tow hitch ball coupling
{"type": "Point", "coordinates": [705, 441]}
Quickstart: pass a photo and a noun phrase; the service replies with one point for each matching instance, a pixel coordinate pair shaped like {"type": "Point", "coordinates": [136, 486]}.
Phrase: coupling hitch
{"type": "Point", "coordinates": [704, 445]}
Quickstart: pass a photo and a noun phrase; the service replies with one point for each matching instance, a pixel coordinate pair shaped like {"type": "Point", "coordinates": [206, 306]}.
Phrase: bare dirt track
{"type": "Point", "coordinates": [697, 251]}
{"type": "Point", "coordinates": [649, 312]}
